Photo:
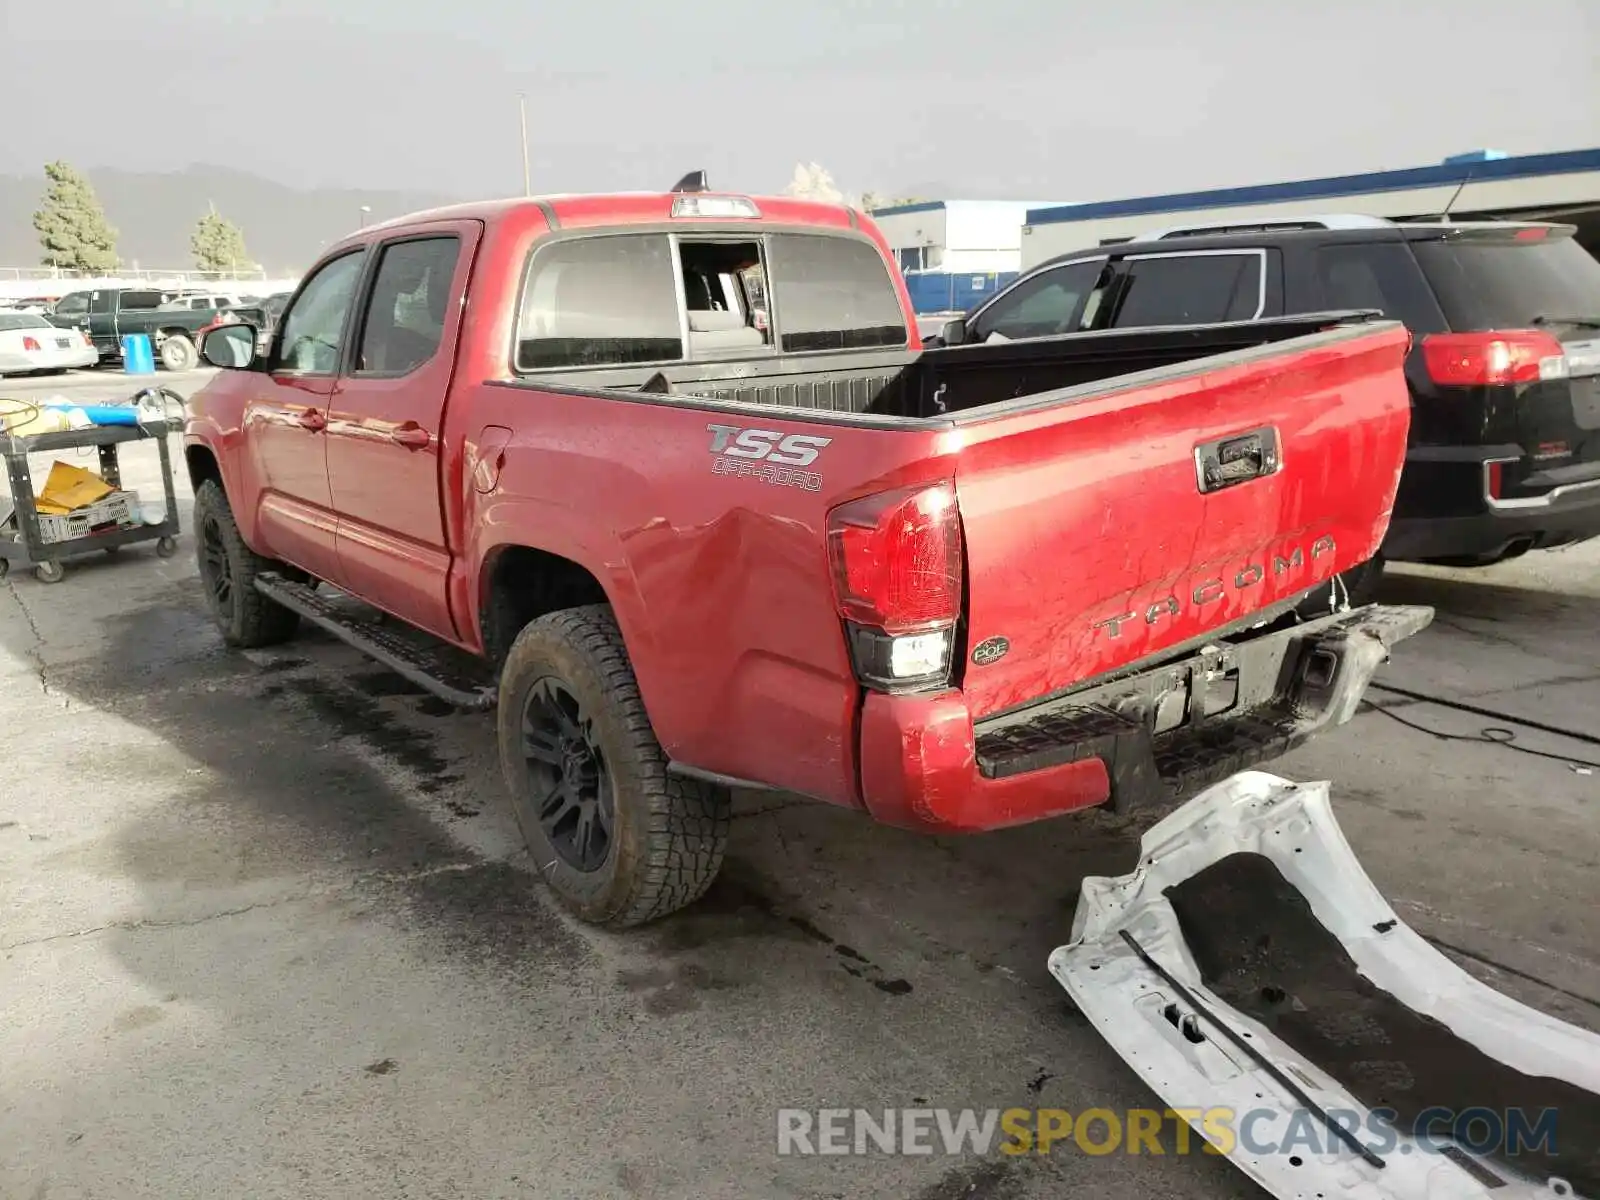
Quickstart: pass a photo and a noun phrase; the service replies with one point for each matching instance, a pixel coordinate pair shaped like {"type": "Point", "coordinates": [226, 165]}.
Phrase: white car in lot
{"type": "Point", "coordinates": [30, 343]}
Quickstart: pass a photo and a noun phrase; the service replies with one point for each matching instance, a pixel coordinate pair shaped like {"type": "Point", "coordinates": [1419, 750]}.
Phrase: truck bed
{"type": "Point", "coordinates": [951, 379]}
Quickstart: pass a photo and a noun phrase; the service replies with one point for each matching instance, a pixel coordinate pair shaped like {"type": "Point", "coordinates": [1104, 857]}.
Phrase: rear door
{"type": "Point", "coordinates": [1538, 290]}
{"type": "Point", "coordinates": [386, 418]}
{"type": "Point", "coordinates": [1115, 521]}
{"type": "Point", "coordinates": [1193, 287]}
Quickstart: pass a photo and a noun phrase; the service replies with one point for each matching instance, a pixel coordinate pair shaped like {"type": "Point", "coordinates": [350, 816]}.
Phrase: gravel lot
{"type": "Point", "coordinates": [267, 929]}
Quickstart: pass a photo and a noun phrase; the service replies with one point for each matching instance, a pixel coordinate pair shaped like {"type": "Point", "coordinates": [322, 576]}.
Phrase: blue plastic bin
{"type": "Point", "coordinates": [137, 356]}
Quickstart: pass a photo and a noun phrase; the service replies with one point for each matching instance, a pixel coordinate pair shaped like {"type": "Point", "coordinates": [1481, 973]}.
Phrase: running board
{"type": "Point", "coordinates": [410, 661]}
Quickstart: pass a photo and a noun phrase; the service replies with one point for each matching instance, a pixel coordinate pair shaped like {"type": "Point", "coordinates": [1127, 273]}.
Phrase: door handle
{"type": "Point", "coordinates": [412, 436]}
{"type": "Point", "coordinates": [313, 420]}
{"type": "Point", "coordinates": [1231, 461]}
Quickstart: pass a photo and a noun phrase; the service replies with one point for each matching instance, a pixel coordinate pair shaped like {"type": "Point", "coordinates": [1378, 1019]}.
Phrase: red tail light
{"type": "Point", "coordinates": [897, 559]}
{"type": "Point", "coordinates": [1494, 357]}
{"type": "Point", "coordinates": [897, 578]}
{"type": "Point", "coordinates": [29, 343]}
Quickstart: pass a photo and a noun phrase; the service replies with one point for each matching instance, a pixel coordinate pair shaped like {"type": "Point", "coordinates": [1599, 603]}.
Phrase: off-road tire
{"type": "Point", "coordinates": [669, 833]}
{"type": "Point", "coordinates": [247, 619]}
{"type": "Point", "coordinates": [178, 353]}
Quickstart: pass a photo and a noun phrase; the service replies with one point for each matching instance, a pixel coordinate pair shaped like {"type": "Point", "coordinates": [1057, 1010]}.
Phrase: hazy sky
{"type": "Point", "coordinates": [1026, 98]}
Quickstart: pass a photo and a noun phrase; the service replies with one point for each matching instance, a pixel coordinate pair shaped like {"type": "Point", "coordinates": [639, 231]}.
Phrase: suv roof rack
{"type": "Point", "coordinates": [1329, 221]}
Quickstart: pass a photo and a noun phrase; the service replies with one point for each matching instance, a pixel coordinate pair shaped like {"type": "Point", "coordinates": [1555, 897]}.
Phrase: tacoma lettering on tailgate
{"type": "Point", "coordinates": [1209, 591]}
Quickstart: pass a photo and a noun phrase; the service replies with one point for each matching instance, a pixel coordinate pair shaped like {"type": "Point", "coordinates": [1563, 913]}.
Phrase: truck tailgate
{"type": "Point", "coordinates": [1112, 522]}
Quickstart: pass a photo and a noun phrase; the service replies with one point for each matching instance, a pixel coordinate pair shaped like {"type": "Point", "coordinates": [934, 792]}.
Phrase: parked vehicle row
{"type": "Point", "coordinates": [695, 549]}
{"type": "Point", "coordinates": [107, 315]}
{"type": "Point", "coordinates": [1504, 370]}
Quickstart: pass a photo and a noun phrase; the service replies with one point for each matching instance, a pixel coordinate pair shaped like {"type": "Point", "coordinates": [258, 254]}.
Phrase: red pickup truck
{"type": "Point", "coordinates": [694, 550]}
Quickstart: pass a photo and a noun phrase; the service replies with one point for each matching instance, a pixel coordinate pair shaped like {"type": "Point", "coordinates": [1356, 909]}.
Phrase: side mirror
{"type": "Point", "coordinates": [231, 347]}
{"type": "Point", "coordinates": [954, 332]}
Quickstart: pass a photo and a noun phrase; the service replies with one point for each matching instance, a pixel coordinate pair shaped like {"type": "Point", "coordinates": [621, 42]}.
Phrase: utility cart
{"type": "Point", "coordinates": [41, 541]}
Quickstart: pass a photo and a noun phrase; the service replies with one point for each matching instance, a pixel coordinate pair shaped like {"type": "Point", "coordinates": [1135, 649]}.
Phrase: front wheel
{"type": "Point", "coordinates": [178, 353]}
{"type": "Point", "coordinates": [619, 840]}
{"type": "Point", "coordinates": [228, 570]}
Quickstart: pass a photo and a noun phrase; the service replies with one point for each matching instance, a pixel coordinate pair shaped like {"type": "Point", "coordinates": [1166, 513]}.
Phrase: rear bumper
{"type": "Point", "coordinates": [1148, 738]}
{"type": "Point", "coordinates": [48, 360]}
{"type": "Point", "coordinates": [1443, 510]}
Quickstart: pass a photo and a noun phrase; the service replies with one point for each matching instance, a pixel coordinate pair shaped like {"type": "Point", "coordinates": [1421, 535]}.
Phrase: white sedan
{"type": "Point", "coordinates": [30, 343]}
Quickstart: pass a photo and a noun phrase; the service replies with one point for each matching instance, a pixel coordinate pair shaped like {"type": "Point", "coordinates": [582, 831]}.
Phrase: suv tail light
{"type": "Point", "coordinates": [30, 343]}
{"type": "Point", "coordinates": [1493, 357]}
{"type": "Point", "coordinates": [897, 579]}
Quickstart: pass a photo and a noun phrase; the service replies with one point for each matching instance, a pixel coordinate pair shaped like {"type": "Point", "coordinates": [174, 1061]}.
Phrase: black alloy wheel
{"type": "Point", "coordinates": [571, 783]}
{"type": "Point", "coordinates": [216, 570]}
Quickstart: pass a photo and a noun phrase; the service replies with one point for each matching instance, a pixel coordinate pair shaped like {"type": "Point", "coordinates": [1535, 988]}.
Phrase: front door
{"type": "Point", "coordinates": [288, 413]}
{"type": "Point", "coordinates": [384, 448]}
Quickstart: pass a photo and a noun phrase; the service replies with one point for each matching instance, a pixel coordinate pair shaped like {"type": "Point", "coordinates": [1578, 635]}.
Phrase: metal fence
{"type": "Point", "coordinates": [132, 274]}
{"type": "Point", "coordinates": [20, 283]}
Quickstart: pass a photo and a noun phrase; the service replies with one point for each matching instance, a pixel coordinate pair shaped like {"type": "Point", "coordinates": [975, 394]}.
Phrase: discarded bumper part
{"type": "Point", "coordinates": [1167, 732]}
{"type": "Point", "coordinates": [1249, 913]}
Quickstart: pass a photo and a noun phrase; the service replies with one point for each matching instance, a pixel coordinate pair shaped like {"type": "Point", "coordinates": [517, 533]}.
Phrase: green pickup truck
{"type": "Point", "coordinates": [108, 315]}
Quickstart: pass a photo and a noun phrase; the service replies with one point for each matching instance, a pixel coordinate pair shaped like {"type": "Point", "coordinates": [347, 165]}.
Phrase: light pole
{"type": "Point", "coordinates": [366, 211]}
{"type": "Point", "coordinates": [522, 114]}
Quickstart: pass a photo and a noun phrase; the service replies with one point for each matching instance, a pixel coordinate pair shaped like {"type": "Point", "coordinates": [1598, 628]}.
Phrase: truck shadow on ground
{"type": "Point", "coordinates": [310, 786]}
{"type": "Point", "coordinates": [309, 761]}
{"type": "Point", "coordinates": [1482, 597]}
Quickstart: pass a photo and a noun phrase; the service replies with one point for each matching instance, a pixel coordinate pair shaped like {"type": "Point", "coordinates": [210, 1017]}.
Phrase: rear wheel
{"type": "Point", "coordinates": [620, 841]}
{"type": "Point", "coordinates": [228, 570]}
{"type": "Point", "coordinates": [178, 353]}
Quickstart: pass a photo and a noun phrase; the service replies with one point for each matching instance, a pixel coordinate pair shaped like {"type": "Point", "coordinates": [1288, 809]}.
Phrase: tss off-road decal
{"type": "Point", "coordinates": [767, 455]}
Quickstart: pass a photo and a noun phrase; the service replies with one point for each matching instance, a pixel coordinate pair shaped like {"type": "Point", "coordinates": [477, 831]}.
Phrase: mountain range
{"type": "Point", "coordinates": [285, 228]}
{"type": "Point", "coordinates": [155, 214]}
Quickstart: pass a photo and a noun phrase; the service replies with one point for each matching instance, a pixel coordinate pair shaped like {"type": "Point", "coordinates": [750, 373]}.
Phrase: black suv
{"type": "Point", "coordinates": [1504, 370]}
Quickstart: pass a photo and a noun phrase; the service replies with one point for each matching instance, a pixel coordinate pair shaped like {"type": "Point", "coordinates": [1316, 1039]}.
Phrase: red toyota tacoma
{"type": "Point", "coordinates": [694, 550]}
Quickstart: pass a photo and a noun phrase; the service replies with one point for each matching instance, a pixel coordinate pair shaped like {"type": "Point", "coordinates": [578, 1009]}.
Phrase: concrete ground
{"type": "Point", "coordinates": [267, 928]}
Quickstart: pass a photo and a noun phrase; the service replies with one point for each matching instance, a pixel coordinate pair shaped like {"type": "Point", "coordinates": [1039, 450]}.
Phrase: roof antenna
{"type": "Point", "coordinates": [1456, 195]}
{"type": "Point", "coordinates": [694, 181]}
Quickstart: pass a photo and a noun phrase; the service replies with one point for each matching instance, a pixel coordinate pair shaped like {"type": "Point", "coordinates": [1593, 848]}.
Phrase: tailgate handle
{"type": "Point", "coordinates": [1231, 461]}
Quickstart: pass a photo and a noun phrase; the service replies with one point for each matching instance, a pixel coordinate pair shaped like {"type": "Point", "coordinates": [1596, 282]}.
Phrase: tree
{"type": "Point", "coordinates": [218, 244]}
{"type": "Point", "coordinates": [872, 201]}
{"type": "Point", "coordinates": [72, 226]}
{"type": "Point", "coordinates": [812, 181]}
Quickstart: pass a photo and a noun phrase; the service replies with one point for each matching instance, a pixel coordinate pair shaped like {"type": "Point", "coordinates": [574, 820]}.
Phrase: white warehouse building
{"type": "Point", "coordinates": [955, 253]}
{"type": "Point", "coordinates": [1562, 186]}
{"type": "Point", "coordinates": [958, 236]}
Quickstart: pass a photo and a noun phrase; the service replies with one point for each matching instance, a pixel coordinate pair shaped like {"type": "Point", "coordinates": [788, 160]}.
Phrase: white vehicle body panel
{"type": "Point", "coordinates": [1292, 825]}
{"type": "Point", "coordinates": [51, 354]}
